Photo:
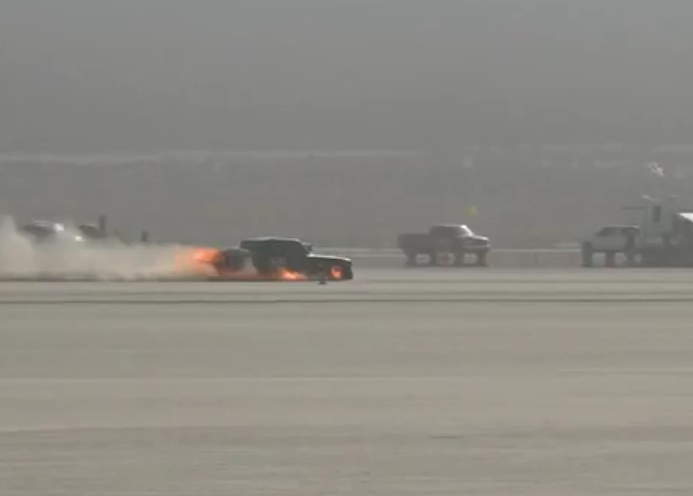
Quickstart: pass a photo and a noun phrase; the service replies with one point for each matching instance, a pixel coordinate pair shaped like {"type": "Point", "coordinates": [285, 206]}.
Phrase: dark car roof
{"type": "Point", "coordinates": [273, 240]}
{"type": "Point", "coordinates": [265, 239]}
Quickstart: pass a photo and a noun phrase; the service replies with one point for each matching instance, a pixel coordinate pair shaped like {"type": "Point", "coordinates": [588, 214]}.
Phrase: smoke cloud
{"type": "Point", "coordinates": [22, 257]}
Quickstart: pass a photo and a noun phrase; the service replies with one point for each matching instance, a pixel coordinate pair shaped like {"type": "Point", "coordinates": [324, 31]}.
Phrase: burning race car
{"type": "Point", "coordinates": [273, 258]}
{"type": "Point", "coordinates": [278, 255]}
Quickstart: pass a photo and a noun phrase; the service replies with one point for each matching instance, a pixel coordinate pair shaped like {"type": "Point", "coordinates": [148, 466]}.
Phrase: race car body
{"type": "Point", "coordinates": [274, 255]}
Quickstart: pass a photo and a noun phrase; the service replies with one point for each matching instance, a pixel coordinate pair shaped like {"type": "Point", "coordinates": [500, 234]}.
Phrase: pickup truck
{"type": "Point", "coordinates": [457, 240]}
{"type": "Point", "coordinates": [611, 240]}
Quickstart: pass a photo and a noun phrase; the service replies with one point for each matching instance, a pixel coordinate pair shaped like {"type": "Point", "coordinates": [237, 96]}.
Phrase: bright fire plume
{"type": "Point", "coordinates": [206, 262]}
{"type": "Point", "coordinates": [287, 275]}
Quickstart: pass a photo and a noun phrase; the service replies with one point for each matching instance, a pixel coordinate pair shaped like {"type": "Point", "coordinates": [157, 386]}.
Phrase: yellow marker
{"type": "Point", "coordinates": [471, 210]}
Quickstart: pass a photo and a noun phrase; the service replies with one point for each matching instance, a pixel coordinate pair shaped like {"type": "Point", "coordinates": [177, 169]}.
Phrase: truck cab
{"type": "Point", "coordinates": [667, 233]}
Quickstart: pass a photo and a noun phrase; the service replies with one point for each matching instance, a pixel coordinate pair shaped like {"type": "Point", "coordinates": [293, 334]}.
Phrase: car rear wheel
{"type": "Point", "coordinates": [262, 265]}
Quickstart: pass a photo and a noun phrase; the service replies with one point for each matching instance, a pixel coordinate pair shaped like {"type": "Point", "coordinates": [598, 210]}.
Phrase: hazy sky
{"type": "Point", "coordinates": [329, 74]}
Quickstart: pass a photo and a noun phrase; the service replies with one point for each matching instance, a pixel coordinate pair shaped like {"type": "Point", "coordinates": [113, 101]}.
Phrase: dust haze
{"type": "Point", "coordinates": [111, 260]}
{"type": "Point", "coordinates": [344, 122]}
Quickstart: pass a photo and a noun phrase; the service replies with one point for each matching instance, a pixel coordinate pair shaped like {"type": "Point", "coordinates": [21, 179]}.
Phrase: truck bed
{"type": "Point", "coordinates": [419, 242]}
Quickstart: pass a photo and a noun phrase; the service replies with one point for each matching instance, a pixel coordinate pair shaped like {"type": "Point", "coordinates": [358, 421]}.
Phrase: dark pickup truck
{"type": "Point", "coordinates": [445, 239]}
{"type": "Point", "coordinates": [270, 255]}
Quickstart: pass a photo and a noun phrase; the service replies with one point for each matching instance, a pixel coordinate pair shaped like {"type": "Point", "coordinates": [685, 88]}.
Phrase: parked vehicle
{"type": "Point", "coordinates": [610, 241]}
{"type": "Point", "coordinates": [457, 240]}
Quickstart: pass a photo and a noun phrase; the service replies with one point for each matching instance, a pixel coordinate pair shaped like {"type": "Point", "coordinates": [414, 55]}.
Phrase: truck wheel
{"type": "Point", "coordinates": [481, 259]}
{"type": "Point", "coordinates": [433, 258]}
{"type": "Point", "coordinates": [459, 259]}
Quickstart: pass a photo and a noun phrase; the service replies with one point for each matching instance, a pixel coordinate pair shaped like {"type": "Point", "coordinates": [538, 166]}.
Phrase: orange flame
{"type": "Point", "coordinates": [202, 262]}
{"type": "Point", "coordinates": [206, 255]}
{"type": "Point", "coordinates": [197, 261]}
{"type": "Point", "coordinates": [287, 275]}
{"type": "Point", "coordinates": [336, 272]}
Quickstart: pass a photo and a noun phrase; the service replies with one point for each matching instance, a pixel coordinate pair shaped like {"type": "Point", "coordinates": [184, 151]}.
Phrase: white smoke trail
{"type": "Point", "coordinates": [21, 257]}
